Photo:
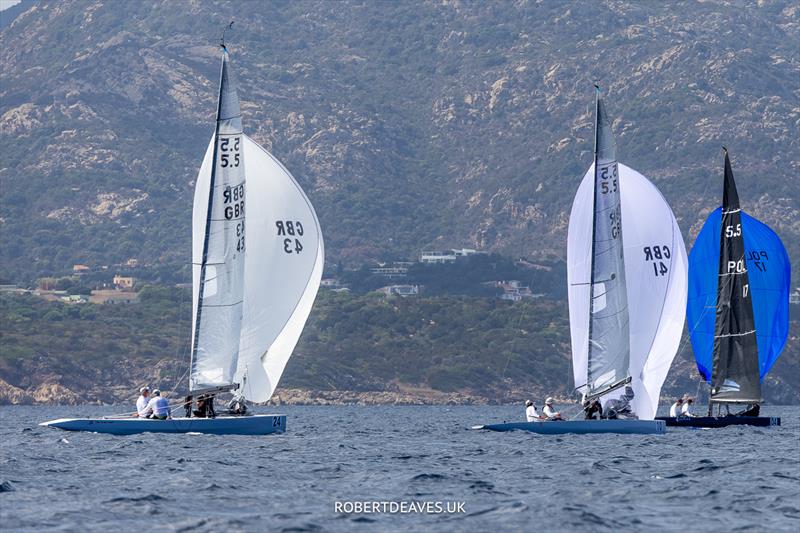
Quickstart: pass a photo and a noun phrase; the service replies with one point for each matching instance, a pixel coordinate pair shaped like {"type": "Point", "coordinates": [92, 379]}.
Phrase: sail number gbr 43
{"type": "Point", "coordinates": [291, 232]}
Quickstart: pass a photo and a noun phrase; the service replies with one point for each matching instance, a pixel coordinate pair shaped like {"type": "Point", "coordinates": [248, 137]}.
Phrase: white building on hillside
{"type": "Point", "coordinates": [446, 256]}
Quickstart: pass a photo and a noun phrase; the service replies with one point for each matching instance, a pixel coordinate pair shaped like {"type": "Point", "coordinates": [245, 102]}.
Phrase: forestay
{"type": "Point", "coordinates": [218, 246]}
{"type": "Point", "coordinates": [282, 272]}
{"type": "Point", "coordinates": [656, 280]}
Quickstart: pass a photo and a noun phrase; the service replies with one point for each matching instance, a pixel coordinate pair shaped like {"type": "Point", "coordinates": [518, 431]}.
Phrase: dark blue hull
{"type": "Point", "coordinates": [720, 421]}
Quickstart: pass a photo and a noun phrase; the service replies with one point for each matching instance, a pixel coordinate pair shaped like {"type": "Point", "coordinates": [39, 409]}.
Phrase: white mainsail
{"type": "Point", "coordinates": [608, 348]}
{"type": "Point", "coordinates": [656, 273]}
{"type": "Point", "coordinates": [283, 269]}
{"type": "Point", "coordinates": [627, 296]}
{"type": "Point", "coordinates": [253, 293]}
{"type": "Point", "coordinates": [218, 246]}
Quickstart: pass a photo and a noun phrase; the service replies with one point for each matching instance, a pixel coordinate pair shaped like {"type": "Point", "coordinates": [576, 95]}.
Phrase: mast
{"type": "Point", "coordinates": [735, 374]}
{"type": "Point", "coordinates": [609, 336]}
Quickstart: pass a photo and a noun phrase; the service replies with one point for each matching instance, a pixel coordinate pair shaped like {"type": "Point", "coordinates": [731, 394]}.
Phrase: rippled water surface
{"type": "Point", "coordinates": [714, 480]}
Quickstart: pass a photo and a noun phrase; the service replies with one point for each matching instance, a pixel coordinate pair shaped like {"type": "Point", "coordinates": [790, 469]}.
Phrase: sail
{"type": "Point", "coordinates": [768, 271]}
{"type": "Point", "coordinates": [283, 269]}
{"type": "Point", "coordinates": [218, 255]}
{"type": "Point", "coordinates": [608, 340]}
{"type": "Point", "coordinates": [656, 279]}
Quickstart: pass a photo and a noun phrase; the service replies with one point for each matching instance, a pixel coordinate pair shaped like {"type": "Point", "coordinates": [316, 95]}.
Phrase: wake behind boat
{"type": "Point", "coordinates": [738, 309]}
{"type": "Point", "coordinates": [627, 268]}
{"type": "Point", "coordinates": [252, 290]}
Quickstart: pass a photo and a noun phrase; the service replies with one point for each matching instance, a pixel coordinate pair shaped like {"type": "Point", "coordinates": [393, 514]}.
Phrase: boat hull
{"type": "Point", "coordinates": [720, 421]}
{"type": "Point", "coordinates": [627, 427]}
{"type": "Point", "coordinates": [223, 425]}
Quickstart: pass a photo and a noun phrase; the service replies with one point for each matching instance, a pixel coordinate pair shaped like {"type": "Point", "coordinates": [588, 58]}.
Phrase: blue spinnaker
{"type": "Point", "coordinates": [770, 277]}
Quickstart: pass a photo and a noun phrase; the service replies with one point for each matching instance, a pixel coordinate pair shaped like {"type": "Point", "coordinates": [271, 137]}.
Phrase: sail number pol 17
{"type": "Point", "coordinates": [291, 231]}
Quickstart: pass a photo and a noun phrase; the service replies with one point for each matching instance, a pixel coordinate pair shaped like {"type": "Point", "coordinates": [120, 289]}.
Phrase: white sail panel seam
{"type": "Point", "coordinates": [735, 334]}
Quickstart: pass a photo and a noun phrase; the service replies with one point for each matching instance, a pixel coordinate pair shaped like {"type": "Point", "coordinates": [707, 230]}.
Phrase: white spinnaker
{"type": "Point", "coordinates": [656, 298]}
{"type": "Point", "coordinates": [281, 279]}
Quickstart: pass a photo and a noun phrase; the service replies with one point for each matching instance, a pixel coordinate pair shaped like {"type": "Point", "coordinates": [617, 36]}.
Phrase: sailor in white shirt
{"type": "Point", "coordinates": [159, 406]}
{"type": "Point", "coordinates": [141, 404]}
{"type": "Point", "coordinates": [687, 408]}
{"type": "Point", "coordinates": [549, 411]}
{"type": "Point", "coordinates": [675, 410]}
{"type": "Point", "coordinates": [531, 414]}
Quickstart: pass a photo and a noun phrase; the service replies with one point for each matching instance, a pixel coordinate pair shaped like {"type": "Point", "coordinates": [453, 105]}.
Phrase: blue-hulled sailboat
{"type": "Point", "coordinates": [627, 268]}
{"type": "Point", "coordinates": [252, 290]}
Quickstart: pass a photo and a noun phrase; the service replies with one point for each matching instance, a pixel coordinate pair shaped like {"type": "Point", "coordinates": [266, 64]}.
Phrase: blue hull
{"type": "Point", "coordinates": [223, 425]}
{"type": "Point", "coordinates": [626, 427]}
{"type": "Point", "coordinates": [721, 421]}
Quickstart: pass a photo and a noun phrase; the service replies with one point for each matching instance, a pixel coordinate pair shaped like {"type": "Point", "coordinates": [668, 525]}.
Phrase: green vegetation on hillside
{"type": "Point", "coordinates": [490, 347]}
{"type": "Point", "coordinates": [468, 276]}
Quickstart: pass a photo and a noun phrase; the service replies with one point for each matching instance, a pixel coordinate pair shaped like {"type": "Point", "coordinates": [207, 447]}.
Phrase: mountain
{"type": "Point", "coordinates": [409, 124]}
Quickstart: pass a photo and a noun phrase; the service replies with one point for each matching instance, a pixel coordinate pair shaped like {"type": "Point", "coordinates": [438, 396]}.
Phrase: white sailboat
{"type": "Point", "coordinates": [257, 261]}
{"type": "Point", "coordinates": [626, 314]}
{"type": "Point", "coordinates": [627, 275]}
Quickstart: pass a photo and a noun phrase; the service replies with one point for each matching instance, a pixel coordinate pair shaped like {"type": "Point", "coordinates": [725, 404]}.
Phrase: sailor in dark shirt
{"type": "Point", "coordinates": [593, 410]}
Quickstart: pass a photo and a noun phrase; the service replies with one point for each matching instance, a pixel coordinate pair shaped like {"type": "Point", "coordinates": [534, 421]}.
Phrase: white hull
{"type": "Point", "coordinates": [222, 425]}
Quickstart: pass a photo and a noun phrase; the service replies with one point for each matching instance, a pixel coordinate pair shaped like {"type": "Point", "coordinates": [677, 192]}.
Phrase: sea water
{"type": "Point", "coordinates": [404, 468]}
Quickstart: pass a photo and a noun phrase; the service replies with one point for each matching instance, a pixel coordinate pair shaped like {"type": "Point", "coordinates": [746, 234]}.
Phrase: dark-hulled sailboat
{"type": "Point", "coordinates": [738, 307]}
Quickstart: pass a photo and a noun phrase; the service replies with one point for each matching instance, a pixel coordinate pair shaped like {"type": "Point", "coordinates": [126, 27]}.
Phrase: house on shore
{"type": "Point", "coordinates": [445, 256]}
{"type": "Point", "coordinates": [403, 291]}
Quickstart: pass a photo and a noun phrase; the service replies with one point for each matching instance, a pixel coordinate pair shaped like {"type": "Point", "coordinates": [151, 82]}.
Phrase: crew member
{"type": "Point", "coordinates": [159, 406]}
{"type": "Point", "coordinates": [237, 405]}
{"type": "Point", "coordinates": [593, 409]}
{"type": "Point", "coordinates": [686, 410]}
{"type": "Point", "coordinates": [531, 414]}
{"type": "Point", "coordinates": [142, 410]}
{"type": "Point", "coordinates": [201, 411]}
{"type": "Point", "coordinates": [549, 411]}
{"type": "Point", "coordinates": [677, 407]}
{"type": "Point", "coordinates": [621, 407]}
{"type": "Point", "coordinates": [187, 406]}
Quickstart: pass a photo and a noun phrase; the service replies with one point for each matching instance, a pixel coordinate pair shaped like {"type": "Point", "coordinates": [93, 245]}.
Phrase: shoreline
{"type": "Point", "coordinates": [57, 394]}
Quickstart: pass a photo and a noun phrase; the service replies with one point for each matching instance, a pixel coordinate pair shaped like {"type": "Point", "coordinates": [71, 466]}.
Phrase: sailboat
{"type": "Point", "coordinates": [253, 287]}
{"type": "Point", "coordinates": [627, 275]}
{"type": "Point", "coordinates": [738, 309]}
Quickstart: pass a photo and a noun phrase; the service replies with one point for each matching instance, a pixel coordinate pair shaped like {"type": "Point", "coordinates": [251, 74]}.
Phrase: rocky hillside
{"type": "Point", "coordinates": [410, 124]}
